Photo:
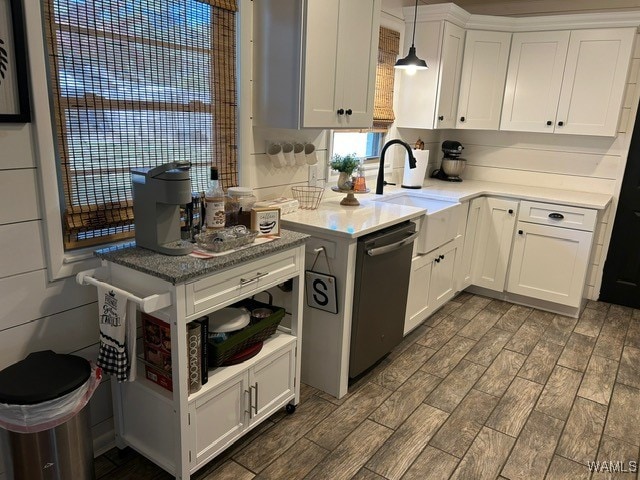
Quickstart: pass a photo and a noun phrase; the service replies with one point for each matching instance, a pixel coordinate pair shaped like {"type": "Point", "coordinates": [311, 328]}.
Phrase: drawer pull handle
{"type": "Point", "coordinates": [556, 216]}
{"type": "Point", "coordinates": [441, 257]}
{"type": "Point", "coordinates": [511, 211]}
{"type": "Point", "coordinates": [245, 281]}
{"type": "Point", "coordinates": [255, 405]}
{"type": "Point", "coordinates": [437, 260]}
{"type": "Point", "coordinates": [249, 411]}
{"type": "Point", "coordinates": [520, 232]}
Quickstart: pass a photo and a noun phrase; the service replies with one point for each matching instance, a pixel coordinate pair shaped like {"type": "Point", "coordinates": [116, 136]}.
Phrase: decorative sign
{"type": "Point", "coordinates": [321, 291]}
{"type": "Point", "coordinates": [266, 221]}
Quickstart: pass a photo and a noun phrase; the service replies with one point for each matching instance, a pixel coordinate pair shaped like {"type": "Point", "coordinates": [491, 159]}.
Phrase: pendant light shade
{"type": "Point", "coordinates": [411, 62]}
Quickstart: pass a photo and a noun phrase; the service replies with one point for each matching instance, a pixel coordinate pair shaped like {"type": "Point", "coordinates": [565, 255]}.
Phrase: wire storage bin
{"type": "Point", "coordinates": [308, 197]}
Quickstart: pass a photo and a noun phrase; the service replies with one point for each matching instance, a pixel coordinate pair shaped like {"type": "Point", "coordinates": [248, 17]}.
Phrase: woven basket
{"type": "Point", "coordinates": [256, 331]}
{"type": "Point", "coordinates": [308, 197]}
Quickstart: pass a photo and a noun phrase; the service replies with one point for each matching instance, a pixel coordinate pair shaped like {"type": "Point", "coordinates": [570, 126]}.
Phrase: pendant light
{"type": "Point", "coordinates": [411, 63]}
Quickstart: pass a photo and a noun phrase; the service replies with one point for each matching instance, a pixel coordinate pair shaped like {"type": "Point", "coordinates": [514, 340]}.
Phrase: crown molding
{"type": "Point", "coordinates": [462, 18]}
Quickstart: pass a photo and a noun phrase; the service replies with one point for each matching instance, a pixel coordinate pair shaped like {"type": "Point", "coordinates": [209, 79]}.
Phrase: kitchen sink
{"type": "Point", "coordinates": [440, 223]}
{"type": "Point", "coordinates": [419, 201]}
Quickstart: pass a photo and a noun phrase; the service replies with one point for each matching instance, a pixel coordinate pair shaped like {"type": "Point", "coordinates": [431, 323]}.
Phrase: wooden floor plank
{"type": "Point", "coordinates": [462, 426]}
{"type": "Point", "coordinates": [581, 436]}
{"type": "Point", "coordinates": [401, 403]}
{"type": "Point", "coordinates": [598, 380]}
{"type": "Point", "coordinates": [485, 457]}
{"type": "Point", "coordinates": [403, 447]}
{"type": "Point", "coordinates": [624, 414]}
{"type": "Point", "coordinates": [540, 362]}
{"type": "Point", "coordinates": [514, 407]}
{"type": "Point", "coordinates": [351, 455]}
{"type": "Point", "coordinates": [534, 449]}
{"type": "Point", "coordinates": [450, 392]}
{"type": "Point", "coordinates": [500, 374]}
{"type": "Point", "coordinates": [432, 464]}
{"type": "Point", "coordinates": [577, 351]}
{"type": "Point", "coordinates": [559, 392]}
{"type": "Point", "coordinates": [487, 349]}
{"type": "Point", "coordinates": [445, 359]}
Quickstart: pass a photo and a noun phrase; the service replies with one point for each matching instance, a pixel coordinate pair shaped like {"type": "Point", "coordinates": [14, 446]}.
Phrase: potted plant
{"type": "Point", "coordinates": [346, 165]}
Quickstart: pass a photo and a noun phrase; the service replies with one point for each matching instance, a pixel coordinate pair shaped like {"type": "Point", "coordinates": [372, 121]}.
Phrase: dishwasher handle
{"type": "Point", "coordinates": [372, 252]}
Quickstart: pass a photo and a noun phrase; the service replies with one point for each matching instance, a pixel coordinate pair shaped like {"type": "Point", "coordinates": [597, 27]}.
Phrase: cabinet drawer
{"type": "Point", "coordinates": [558, 215]}
{"type": "Point", "coordinates": [240, 281]}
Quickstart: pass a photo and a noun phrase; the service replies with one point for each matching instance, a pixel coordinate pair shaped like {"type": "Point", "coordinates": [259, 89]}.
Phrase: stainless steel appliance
{"type": "Point", "coordinates": [452, 165]}
{"type": "Point", "coordinates": [383, 266]}
{"type": "Point", "coordinates": [158, 193]}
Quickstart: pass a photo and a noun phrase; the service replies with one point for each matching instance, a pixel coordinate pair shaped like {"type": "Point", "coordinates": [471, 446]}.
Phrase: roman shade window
{"type": "Point", "coordinates": [388, 49]}
{"type": "Point", "coordinates": [137, 83]}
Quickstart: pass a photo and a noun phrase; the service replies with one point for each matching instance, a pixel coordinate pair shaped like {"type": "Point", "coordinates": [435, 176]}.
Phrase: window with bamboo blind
{"type": "Point", "coordinates": [137, 83]}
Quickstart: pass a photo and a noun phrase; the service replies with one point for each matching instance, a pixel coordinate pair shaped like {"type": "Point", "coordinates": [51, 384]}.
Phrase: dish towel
{"type": "Point", "coordinates": [117, 319]}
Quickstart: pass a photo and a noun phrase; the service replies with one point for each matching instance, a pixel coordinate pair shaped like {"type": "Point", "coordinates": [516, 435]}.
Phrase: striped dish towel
{"type": "Point", "coordinates": [117, 319]}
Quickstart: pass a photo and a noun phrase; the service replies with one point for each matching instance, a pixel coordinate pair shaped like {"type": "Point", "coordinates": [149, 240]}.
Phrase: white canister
{"type": "Point", "coordinates": [244, 196]}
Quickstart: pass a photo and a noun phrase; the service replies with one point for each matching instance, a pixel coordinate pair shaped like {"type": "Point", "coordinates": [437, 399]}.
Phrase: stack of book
{"type": "Point", "coordinates": [156, 339]}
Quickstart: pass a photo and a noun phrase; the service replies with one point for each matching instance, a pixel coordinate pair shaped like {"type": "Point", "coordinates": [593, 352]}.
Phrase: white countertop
{"type": "Point", "coordinates": [352, 222]}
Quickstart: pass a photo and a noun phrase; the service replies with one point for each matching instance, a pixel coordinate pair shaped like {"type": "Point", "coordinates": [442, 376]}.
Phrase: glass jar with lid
{"type": "Point", "coordinates": [245, 199]}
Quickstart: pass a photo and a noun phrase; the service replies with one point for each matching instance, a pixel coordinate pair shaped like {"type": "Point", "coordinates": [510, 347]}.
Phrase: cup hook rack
{"type": "Point", "coordinates": [147, 304]}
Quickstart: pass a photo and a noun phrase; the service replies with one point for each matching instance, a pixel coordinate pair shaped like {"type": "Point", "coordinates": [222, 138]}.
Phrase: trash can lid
{"type": "Point", "coordinates": [42, 376]}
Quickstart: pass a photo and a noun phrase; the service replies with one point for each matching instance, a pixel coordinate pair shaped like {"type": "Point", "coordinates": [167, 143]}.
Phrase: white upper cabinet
{"type": "Point", "coordinates": [429, 98]}
{"type": "Point", "coordinates": [567, 81]}
{"type": "Point", "coordinates": [315, 62]}
{"type": "Point", "coordinates": [594, 79]}
{"type": "Point", "coordinates": [484, 70]}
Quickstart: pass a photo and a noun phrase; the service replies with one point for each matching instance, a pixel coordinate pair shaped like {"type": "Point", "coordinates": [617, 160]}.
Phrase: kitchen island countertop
{"type": "Point", "coordinates": [182, 268]}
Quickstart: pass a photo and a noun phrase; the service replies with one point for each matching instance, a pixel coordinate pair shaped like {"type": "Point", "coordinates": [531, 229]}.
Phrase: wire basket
{"type": "Point", "coordinates": [308, 197]}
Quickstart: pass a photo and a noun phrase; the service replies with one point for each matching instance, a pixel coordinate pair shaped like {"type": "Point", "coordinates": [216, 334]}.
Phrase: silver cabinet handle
{"type": "Point", "coordinates": [259, 275]}
{"type": "Point", "coordinates": [249, 411]}
{"type": "Point", "coordinates": [255, 406]}
{"type": "Point", "coordinates": [372, 252]}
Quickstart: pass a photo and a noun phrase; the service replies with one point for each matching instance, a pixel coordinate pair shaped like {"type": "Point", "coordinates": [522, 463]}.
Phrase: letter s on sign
{"type": "Point", "coordinates": [320, 296]}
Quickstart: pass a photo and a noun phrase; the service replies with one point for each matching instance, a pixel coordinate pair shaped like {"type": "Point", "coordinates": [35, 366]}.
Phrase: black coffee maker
{"type": "Point", "coordinates": [452, 165]}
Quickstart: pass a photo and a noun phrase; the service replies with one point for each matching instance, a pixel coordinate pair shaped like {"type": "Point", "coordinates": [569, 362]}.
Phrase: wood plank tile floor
{"type": "Point", "coordinates": [484, 389]}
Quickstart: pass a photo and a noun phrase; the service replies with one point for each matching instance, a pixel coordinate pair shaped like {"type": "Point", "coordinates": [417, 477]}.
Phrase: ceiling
{"type": "Point", "coordinates": [524, 7]}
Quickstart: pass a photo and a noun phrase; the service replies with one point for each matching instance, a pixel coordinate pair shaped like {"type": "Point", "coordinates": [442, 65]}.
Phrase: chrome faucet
{"type": "Point", "coordinates": [412, 162]}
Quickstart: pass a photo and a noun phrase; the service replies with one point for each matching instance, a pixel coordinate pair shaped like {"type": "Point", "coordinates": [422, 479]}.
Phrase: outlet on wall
{"type": "Point", "coordinates": [313, 175]}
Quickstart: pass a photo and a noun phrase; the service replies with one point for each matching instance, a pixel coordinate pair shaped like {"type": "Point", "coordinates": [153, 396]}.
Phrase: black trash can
{"type": "Point", "coordinates": [43, 435]}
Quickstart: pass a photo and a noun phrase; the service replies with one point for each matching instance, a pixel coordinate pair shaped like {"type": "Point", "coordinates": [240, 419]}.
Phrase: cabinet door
{"type": "Point", "coordinates": [470, 236]}
{"type": "Point", "coordinates": [320, 64]}
{"type": "Point", "coordinates": [549, 263]}
{"type": "Point", "coordinates": [418, 296]}
{"type": "Point", "coordinates": [449, 81]}
{"type": "Point", "coordinates": [341, 53]}
{"type": "Point", "coordinates": [417, 100]}
{"type": "Point", "coordinates": [493, 245]}
{"type": "Point", "coordinates": [484, 71]}
{"type": "Point", "coordinates": [443, 285]}
{"type": "Point", "coordinates": [534, 79]}
{"type": "Point", "coordinates": [218, 418]}
{"type": "Point", "coordinates": [357, 61]}
{"type": "Point", "coordinates": [271, 383]}
{"type": "Point", "coordinates": [594, 81]}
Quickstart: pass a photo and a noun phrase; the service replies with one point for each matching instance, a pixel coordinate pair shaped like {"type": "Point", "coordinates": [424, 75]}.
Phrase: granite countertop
{"type": "Point", "coordinates": [183, 268]}
{"type": "Point", "coordinates": [351, 222]}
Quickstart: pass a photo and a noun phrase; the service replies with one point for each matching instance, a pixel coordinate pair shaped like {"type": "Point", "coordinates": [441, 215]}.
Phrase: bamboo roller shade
{"type": "Point", "coordinates": [138, 83]}
{"type": "Point", "coordinates": [388, 48]}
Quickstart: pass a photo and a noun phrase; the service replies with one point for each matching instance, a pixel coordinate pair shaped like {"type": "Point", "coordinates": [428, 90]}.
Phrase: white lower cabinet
{"type": "Point", "coordinates": [222, 415]}
{"type": "Point", "coordinates": [549, 263]}
{"type": "Point", "coordinates": [432, 283]}
{"type": "Point", "coordinates": [492, 245]}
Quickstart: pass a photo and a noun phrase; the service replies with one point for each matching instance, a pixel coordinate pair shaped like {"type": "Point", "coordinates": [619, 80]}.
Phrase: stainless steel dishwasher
{"type": "Point", "coordinates": [383, 267]}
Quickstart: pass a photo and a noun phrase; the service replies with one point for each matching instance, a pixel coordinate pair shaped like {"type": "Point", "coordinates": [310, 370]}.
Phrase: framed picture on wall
{"type": "Point", "coordinates": [14, 86]}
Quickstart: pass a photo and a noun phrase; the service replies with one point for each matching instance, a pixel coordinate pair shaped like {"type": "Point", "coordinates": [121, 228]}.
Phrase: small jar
{"type": "Point", "coordinates": [245, 200]}
{"type": "Point", "coordinates": [244, 196]}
